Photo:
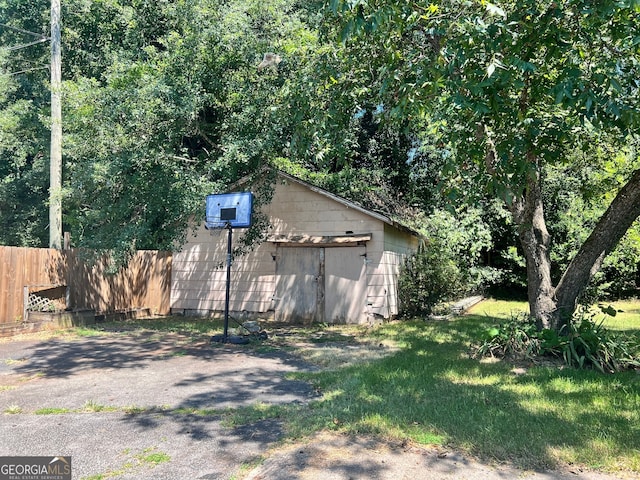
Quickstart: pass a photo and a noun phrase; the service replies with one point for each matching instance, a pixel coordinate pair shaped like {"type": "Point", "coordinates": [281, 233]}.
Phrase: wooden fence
{"type": "Point", "coordinates": [79, 283]}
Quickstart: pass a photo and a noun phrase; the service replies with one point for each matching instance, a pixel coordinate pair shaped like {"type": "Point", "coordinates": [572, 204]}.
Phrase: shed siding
{"type": "Point", "coordinates": [199, 280]}
{"type": "Point", "coordinates": [398, 241]}
{"type": "Point", "coordinates": [199, 270]}
{"type": "Point", "coordinates": [383, 271]}
{"type": "Point", "coordinates": [302, 211]}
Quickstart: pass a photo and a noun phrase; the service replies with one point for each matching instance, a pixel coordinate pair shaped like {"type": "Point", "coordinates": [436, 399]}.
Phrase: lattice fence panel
{"type": "Point", "coordinates": [40, 304]}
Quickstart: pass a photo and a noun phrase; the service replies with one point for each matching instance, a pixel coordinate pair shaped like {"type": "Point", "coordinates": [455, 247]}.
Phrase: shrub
{"type": "Point", "coordinates": [583, 343]}
{"type": "Point", "coordinates": [427, 278]}
{"type": "Point", "coordinates": [448, 264]}
{"type": "Point", "coordinates": [589, 343]}
{"type": "Point", "coordinates": [516, 337]}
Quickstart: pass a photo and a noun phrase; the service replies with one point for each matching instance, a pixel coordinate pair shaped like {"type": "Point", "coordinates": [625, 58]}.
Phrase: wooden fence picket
{"type": "Point", "coordinates": [144, 283]}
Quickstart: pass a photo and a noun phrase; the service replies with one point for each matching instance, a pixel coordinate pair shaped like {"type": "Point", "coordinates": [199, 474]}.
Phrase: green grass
{"type": "Point", "coordinates": [93, 406]}
{"type": "Point", "coordinates": [501, 309]}
{"type": "Point", "coordinates": [626, 319]}
{"type": "Point", "coordinates": [13, 410]}
{"type": "Point", "coordinates": [432, 392]}
{"type": "Point", "coordinates": [428, 389]}
{"type": "Point", "coordinates": [52, 411]}
{"type": "Point", "coordinates": [150, 456]}
{"type": "Point", "coordinates": [12, 361]}
{"type": "Point", "coordinates": [89, 406]}
{"type": "Point", "coordinates": [191, 326]}
{"type": "Point", "coordinates": [140, 462]}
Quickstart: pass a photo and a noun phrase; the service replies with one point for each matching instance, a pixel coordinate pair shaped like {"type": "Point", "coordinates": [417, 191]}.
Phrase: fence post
{"type": "Point", "coordinates": [25, 303]}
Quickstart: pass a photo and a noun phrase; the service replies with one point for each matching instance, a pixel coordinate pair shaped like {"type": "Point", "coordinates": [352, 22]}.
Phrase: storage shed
{"type": "Point", "coordinates": [326, 259]}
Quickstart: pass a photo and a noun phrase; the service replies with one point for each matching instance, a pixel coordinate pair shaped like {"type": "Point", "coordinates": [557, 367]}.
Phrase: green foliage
{"type": "Point", "coordinates": [163, 104]}
{"type": "Point", "coordinates": [188, 115]}
{"type": "Point", "coordinates": [496, 77]}
{"type": "Point", "coordinates": [505, 89]}
{"type": "Point", "coordinates": [517, 336]}
{"type": "Point", "coordinates": [463, 236]}
{"type": "Point", "coordinates": [582, 343]}
{"type": "Point", "coordinates": [23, 166]}
{"type": "Point", "coordinates": [426, 278]}
{"type": "Point", "coordinates": [447, 265]}
{"type": "Point", "coordinates": [587, 342]}
{"type": "Point", "coordinates": [577, 194]}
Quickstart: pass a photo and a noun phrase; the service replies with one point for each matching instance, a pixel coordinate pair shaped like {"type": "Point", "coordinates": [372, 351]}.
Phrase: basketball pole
{"type": "Point", "coordinates": [228, 210]}
{"type": "Point", "coordinates": [226, 298]}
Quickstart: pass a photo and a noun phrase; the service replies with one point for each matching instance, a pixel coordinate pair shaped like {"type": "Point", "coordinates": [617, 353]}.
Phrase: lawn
{"type": "Point", "coordinates": [432, 392]}
{"type": "Point", "coordinates": [428, 389]}
{"type": "Point", "coordinates": [627, 317]}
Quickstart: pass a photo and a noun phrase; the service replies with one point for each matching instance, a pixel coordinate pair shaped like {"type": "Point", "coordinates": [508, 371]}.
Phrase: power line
{"type": "Point", "coordinates": [25, 45]}
{"type": "Point", "coordinates": [26, 70]}
{"type": "Point", "coordinates": [26, 32]}
{"type": "Point", "coordinates": [40, 38]}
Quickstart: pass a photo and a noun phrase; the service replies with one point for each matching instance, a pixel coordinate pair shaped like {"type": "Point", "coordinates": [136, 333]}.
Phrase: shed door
{"type": "Point", "coordinates": [299, 284]}
{"type": "Point", "coordinates": [345, 285]}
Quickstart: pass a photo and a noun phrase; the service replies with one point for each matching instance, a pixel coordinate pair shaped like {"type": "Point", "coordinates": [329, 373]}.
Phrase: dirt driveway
{"type": "Point", "coordinates": [140, 406]}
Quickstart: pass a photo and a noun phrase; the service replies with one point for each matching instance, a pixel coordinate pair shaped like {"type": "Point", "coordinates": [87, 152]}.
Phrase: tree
{"type": "Point", "coordinates": [24, 139]}
{"type": "Point", "coordinates": [163, 104]}
{"type": "Point", "coordinates": [514, 86]}
{"type": "Point", "coordinates": [166, 101]}
{"type": "Point", "coordinates": [576, 194]}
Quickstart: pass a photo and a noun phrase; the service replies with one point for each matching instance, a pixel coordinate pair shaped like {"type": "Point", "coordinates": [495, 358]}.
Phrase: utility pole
{"type": "Point", "coordinates": [55, 166]}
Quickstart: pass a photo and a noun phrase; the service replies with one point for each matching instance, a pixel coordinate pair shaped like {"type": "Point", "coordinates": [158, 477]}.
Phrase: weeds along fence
{"type": "Point", "coordinates": [42, 279]}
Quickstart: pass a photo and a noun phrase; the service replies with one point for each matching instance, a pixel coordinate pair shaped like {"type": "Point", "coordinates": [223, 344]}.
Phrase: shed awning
{"type": "Point", "coordinates": [347, 240]}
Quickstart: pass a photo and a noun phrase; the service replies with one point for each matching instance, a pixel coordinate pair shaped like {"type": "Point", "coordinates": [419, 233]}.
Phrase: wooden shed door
{"type": "Point", "coordinates": [345, 285]}
{"type": "Point", "coordinates": [299, 284]}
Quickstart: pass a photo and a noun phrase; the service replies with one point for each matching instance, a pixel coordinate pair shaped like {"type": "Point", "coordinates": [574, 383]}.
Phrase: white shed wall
{"type": "Point", "coordinates": [199, 270]}
{"type": "Point", "coordinates": [198, 282]}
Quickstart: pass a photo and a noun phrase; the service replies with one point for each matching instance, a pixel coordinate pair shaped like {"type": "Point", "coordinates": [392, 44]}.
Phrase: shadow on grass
{"type": "Point", "coordinates": [433, 392]}
{"type": "Point", "coordinates": [430, 391]}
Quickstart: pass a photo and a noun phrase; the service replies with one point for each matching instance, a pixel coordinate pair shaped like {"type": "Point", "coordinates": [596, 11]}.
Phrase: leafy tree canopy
{"type": "Point", "coordinates": [510, 88]}
{"type": "Point", "coordinates": [163, 103]}
{"type": "Point", "coordinates": [517, 78]}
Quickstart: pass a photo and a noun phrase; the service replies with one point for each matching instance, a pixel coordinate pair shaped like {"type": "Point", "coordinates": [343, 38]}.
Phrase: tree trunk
{"type": "Point", "coordinates": [611, 227]}
{"type": "Point", "coordinates": [528, 214]}
{"type": "Point", "coordinates": [553, 307]}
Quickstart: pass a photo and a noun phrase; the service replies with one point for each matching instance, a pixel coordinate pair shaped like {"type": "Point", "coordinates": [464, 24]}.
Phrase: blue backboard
{"type": "Point", "coordinates": [229, 209]}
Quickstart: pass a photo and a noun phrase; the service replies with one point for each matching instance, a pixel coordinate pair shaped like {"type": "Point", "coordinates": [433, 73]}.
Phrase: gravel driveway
{"type": "Point", "coordinates": [145, 405]}
{"type": "Point", "coordinates": [130, 406]}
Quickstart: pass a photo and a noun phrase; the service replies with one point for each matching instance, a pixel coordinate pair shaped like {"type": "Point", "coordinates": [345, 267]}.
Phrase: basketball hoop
{"type": "Point", "coordinates": [234, 209]}
{"type": "Point", "coordinates": [228, 211]}
{"type": "Point", "coordinates": [214, 232]}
